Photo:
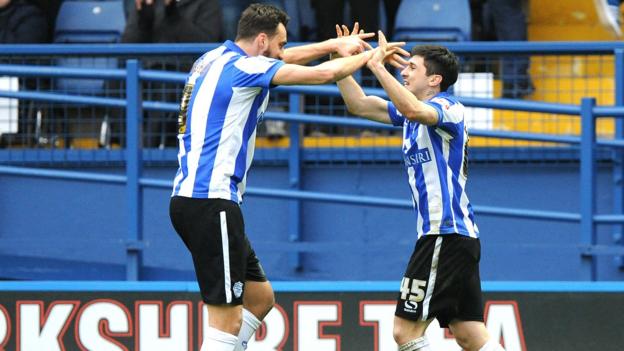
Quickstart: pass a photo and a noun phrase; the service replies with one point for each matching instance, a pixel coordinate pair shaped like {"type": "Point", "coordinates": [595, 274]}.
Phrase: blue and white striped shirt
{"type": "Point", "coordinates": [225, 95]}
{"type": "Point", "coordinates": [436, 162]}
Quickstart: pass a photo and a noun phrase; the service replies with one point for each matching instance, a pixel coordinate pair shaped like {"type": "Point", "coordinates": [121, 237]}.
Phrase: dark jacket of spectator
{"type": "Point", "coordinates": [183, 21]}
{"type": "Point", "coordinates": [170, 21]}
{"type": "Point", "coordinates": [22, 23]}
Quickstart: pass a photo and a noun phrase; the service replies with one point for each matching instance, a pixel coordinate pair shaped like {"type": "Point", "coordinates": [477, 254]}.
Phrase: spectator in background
{"type": "Point", "coordinates": [505, 20]}
{"type": "Point", "coordinates": [365, 12]}
{"type": "Point", "coordinates": [391, 7]}
{"type": "Point", "coordinates": [22, 23]}
{"type": "Point", "coordinates": [174, 21]}
{"type": "Point", "coordinates": [50, 9]}
{"type": "Point", "coordinates": [232, 10]}
{"type": "Point", "coordinates": [331, 12]}
{"type": "Point", "coordinates": [170, 21]}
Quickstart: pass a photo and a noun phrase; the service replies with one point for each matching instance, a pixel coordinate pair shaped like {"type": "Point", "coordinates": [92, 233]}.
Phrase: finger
{"type": "Point", "coordinates": [400, 60]}
{"type": "Point", "coordinates": [345, 30]}
{"type": "Point", "coordinates": [356, 28]}
{"type": "Point", "coordinates": [338, 31]}
{"type": "Point", "coordinates": [366, 35]}
{"type": "Point", "coordinates": [396, 64]}
{"type": "Point", "coordinates": [366, 45]}
{"type": "Point", "coordinates": [382, 38]}
{"type": "Point", "coordinates": [398, 48]}
{"type": "Point", "coordinates": [403, 52]}
{"type": "Point", "coordinates": [396, 44]}
{"type": "Point", "coordinates": [138, 3]}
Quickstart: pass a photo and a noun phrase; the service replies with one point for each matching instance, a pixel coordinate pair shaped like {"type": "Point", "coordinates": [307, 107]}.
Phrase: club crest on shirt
{"type": "Point", "coordinates": [237, 289]}
{"type": "Point", "coordinates": [442, 102]}
{"type": "Point", "coordinates": [417, 157]}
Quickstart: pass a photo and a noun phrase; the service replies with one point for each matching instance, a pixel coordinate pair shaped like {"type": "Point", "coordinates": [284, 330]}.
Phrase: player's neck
{"type": "Point", "coordinates": [249, 47]}
{"type": "Point", "coordinates": [428, 94]}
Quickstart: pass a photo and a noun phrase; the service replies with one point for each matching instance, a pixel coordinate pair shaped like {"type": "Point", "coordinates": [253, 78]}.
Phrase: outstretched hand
{"type": "Point", "coordinates": [388, 53]}
{"type": "Point", "coordinates": [350, 44]}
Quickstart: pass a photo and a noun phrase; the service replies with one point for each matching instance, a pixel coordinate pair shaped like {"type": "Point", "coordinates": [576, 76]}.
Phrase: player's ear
{"type": "Point", "coordinates": [263, 42]}
{"type": "Point", "coordinates": [435, 79]}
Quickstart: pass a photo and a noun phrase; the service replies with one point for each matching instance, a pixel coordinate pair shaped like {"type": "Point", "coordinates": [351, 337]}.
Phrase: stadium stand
{"type": "Point", "coordinates": [81, 22]}
{"type": "Point", "coordinates": [88, 22]}
{"type": "Point", "coordinates": [433, 20]}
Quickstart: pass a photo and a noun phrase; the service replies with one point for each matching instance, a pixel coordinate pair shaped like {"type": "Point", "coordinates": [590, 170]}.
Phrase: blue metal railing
{"type": "Point", "coordinates": [134, 181]}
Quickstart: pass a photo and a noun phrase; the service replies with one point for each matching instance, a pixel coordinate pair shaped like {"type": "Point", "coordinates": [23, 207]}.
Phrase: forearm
{"type": "Point", "coordinates": [345, 66]}
{"type": "Point", "coordinates": [326, 72]}
{"type": "Point", "coordinates": [303, 54]}
{"type": "Point", "coordinates": [352, 94]}
{"type": "Point", "coordinates": [408, 104]}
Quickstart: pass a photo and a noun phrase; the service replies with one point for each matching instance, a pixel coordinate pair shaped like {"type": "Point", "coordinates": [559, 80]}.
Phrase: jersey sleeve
{"type": "Point", "coordinates": [450, 115]}
{"type": "Point", "coordinates": [395, 116]}
{"type": "Point", "coordinates": [256, 71]}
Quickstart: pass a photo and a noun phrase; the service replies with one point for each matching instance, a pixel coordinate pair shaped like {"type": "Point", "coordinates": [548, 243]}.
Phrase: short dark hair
{"type": "Point", "coordinates": [439, 60]}
{"type": "Point", "coordinates": [260, 18]}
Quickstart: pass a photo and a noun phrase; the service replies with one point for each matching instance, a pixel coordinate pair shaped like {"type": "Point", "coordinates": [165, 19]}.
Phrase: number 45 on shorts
{"type": "Point", "coordinates": [413, 289]}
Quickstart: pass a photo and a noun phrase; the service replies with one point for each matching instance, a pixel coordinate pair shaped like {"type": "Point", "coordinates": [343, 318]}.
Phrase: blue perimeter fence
{"type": "Point", "coordinates": [134, 155]}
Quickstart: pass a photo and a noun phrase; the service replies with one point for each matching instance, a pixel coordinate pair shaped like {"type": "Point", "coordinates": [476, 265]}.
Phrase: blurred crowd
{"type": "Point", "coordinates": [174, 21]}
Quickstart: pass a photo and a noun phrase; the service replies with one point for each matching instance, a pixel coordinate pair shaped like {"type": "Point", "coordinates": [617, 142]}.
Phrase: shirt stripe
{"type": "Point", "coordinates": [230, 92]}
{"type": "Point", "coordinates": [433, 274]}
{"type": "Point", "coordinates": [225, 247]}
{"type": "Point", "coordinates": [434, 159]}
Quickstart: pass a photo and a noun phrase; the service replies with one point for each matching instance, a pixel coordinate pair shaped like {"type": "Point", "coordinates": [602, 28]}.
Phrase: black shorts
{"type": "Point", "coordinates": [214, 232]}
{"type": "Point", "coordinates": [442, 280]}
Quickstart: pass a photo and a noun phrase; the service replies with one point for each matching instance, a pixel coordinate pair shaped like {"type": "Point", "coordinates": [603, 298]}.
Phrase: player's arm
{"type": "Point", "coordinates": [344, 46]}
{"type": "Point", "coordinates": [360, 104]}
{"type": "Point", "coordinates": [326, 72]}
{"type": "Point", "coordinates": [409, 106]}
{"type": "Point", "coordinates": [357, 102]}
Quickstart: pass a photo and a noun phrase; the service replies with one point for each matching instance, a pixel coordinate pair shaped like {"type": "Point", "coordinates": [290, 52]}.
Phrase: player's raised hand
{"type": "Point", "coordinates": [380, 54]}
{"type": "Point", "coordinates": [388, 53]}
{"type": "Point", "coordinates": [343, 31]}
{"type": "Point", "coordinates": [350, 43]}
{"type": "Point", "coordinates": [395, 58]}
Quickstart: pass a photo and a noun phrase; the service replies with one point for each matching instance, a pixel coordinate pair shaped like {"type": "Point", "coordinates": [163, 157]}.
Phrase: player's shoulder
{"type": "Point", "coordinates": [452, 109]}
{"type": "Point", "coordinates": [446, 100]}
{"type": "Point", "coordinates": [254, 64]}
{"type": "Point", "coordinates": [207, 58]}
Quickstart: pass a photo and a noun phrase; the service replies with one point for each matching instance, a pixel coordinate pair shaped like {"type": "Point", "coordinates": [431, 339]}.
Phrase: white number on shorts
{"type": "Point", "coordinates": [412, 289]}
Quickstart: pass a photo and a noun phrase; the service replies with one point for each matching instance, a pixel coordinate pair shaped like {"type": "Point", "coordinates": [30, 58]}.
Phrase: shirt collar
{"type": "Point", "coordinates": [441, 94]}
{"type": "Point", "coordinates": [233, 47]}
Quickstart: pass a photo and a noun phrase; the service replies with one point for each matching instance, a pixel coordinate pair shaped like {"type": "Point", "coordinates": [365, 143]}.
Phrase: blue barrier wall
{"type": "Point", "coordinates": [77, 230]}
{"type": "Point", "coordinates": [80, 229]}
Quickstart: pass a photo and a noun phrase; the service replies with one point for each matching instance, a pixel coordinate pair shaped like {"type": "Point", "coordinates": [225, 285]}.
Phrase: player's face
{"type": "Point", "coordinates": [276, 43]}
{"type": "Point", "coordinates": [415, 77]}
